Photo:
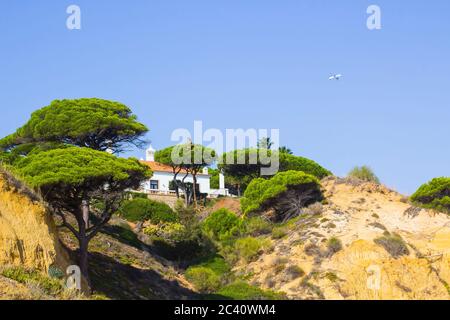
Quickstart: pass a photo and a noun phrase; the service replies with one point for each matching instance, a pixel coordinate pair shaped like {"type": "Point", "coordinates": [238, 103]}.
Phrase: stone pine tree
{"type": "Point", "coordinates": [67, 178]}
{"type": "Point", "coordinates": [242, 166]}
{"type": "Point", "coordinates": [187, 159]}
{"type": "Point", "coordinates": [164, 156]}
{"type": "Point", "coordinates": [201, 157]}
{"type": "Point", "coordinates": [265, 143]}
{"type": "Point", "coordinates": [90, 125]}
{"type": "Point", "coordinates": [285, 149]}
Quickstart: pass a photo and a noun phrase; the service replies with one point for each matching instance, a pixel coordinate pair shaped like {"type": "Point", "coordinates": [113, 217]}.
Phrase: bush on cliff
{"type": "Point", "coordinates": [286, 193]}
{"type": "Point", "coordinates": [364, 173]}
{"type": "Point", "coordinates": [222, 224]}
{"type": "Point", "coordinates": [290, 162]}
{"type": "Point", "coordinates": [145, 209]}
{"type": "Point", "coordinates": [434, 195]}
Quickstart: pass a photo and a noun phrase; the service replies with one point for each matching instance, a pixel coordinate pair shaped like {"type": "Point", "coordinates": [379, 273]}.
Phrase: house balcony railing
{"type": "Point", "coordinates": [162, 192]}
{"type": "Point", "coordinates": [213, 193]}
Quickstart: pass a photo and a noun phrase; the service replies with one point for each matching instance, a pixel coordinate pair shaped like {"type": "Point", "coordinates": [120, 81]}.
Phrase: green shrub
{"type": "Point", "coordinates": [314, 289]}
{"type": "Point", "coordinates": [124, 234]}
{"type": "Point", "coordinates": [279, 268]}
{"type": "Point", "coordinates": [184, 251]}
{"type": "Point", "coordinates": [168, 231]}
{"type": "Point", "coordinates": [279, 232]}
{"type": "Point", "coordinates": [209, 275]}
{"type": "Point", "coordinates": [330, 225]}
{"type": "Point", "coordinates": [186, 214]}
{"type": "Point", "coordinates": [204, 279]}
{"type": "Point", "coordinates": [393, 244]}
{"type": "Point", "coordinates": [334, 245]}
{"type": "Point", "coordinates": [242, 174]}
{"type": "Point", "coordinates": [290, 162]}
{"type": "Point", "coordinates": [215, 177]}
{"type": "Point", "coordinates": [263, 193]}
{"type": "Point", "coordinates": [280, 261]}
{"type": "Point", "coordinates": [249, 248]}
{"type": "Point", "coordinates": [256, 226]}
{"type": "Point", "coordinates": [293, 272]}
{"type": "Point", "coordinates": [140, 209]}
{"type": "Point", "coordinates": [181, 242]}
{"type": "Point", "coordinates": [243, 291]}
{"type": "Point", "coordinates": [55, 272]}
{"type": "Point", "coordinates": [217, 264]}
{"type": "Point", "coordinates": [363, 173]}
{"type": "Point", "coordinates": [174, 231]}
{"type": "Point", "coordinates": [279, 264]}
{"type": "Point", "coordinates": [50, 286]}
{"type": "Point", "coordinates": [311, 249]}
{"type": "Point", "coordinates": [314, 209]}
{"type": "Point", "coordinates": [434, 195]}
{"type": "Point", "coordinates": [136, 195]}
{"type": "Point", "coordinates": [378, 225]}
{"type": "Point", "coordinates": [331, 276]}
{"type": "Point", "coordinates": [222, 224]}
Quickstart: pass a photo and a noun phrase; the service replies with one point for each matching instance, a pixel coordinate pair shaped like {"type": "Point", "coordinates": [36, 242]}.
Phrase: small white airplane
{"type": "Point", "coordinates": [335, 77]}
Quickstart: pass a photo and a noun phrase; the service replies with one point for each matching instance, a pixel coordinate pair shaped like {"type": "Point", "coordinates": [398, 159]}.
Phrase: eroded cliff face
{"type": "Point", "coordinates": [27, 233]}
{"type": "Point", "coordinates": [368, 272]}
{"type": "Point", "coordinates": [357, 215]}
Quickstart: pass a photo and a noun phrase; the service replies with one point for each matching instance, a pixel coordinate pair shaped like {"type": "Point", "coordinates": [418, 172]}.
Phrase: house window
{"type": "Point", "coordinates": [154, 185]}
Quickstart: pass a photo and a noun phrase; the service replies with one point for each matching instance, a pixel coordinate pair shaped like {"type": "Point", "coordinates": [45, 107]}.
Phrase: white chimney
{"type": "Point", "coordinates": [150, 154]}
{"type": "Point", "coordinates": [221, 181]}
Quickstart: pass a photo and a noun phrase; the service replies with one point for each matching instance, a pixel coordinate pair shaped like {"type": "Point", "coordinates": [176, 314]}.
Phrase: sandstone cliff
{"type": "Point", "coordinates": [357, 214]}
{"type": "Point", "coordinates": [28, 237]}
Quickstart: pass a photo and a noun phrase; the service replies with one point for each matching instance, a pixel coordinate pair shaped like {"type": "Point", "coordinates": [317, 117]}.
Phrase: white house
{"type": "Point", "coordinates": [163, 174]}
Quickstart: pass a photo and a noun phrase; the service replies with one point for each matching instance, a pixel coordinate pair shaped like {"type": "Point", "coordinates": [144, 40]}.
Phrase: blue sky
{"type": "Point", "coordinates": [249, 64]}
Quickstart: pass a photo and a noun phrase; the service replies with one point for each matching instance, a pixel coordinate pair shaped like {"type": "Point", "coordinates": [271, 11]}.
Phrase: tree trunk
{"type": "Point", "coordinates": [194, 188]}
{"type": "Point", "coordinates": [85, 210]}
{"type": "Point", "coordinates": [84, 264]}
{"type": "Point", "coordinates": [186, 191]}
{"type": "Point", "coordinates": [239, 190]}
{"type": "Point", "coordinates": [83, 259]}
{"type": "Point", "coordinates": [175, 183]}
{"type": "Point", "coordinates": [188, 194]}
{"type": "Point", "coordinates": [177, 190]}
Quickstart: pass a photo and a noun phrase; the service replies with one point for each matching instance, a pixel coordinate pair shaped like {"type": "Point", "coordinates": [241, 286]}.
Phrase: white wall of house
{"type": "Point", "coordinates": [164, 179]}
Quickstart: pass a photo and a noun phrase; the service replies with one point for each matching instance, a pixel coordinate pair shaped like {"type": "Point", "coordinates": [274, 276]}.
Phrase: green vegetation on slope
{"type": "Point", "coordinates": [290, 162]}
{"type": "Point", "coordinates": [139, 209]}
{"type": "Point", "coordinates": [222, 224]}
{"type": "Point", "coordinates": [243, 291]}
{"type": "Point", "coordinates": [363, 173]}
{"type": "Point", "coordinates": [50, 286]}
{"type": "Point", "coordinates": [393, 244]}
{"type": "Point", "coordinates": [71, 178]}
{"type": "Point", "coordinates": [263, 193]}
{"type": "Point", "coordinates": [241, 175]}
{"type": "Point", "coordinates": [434, 195]}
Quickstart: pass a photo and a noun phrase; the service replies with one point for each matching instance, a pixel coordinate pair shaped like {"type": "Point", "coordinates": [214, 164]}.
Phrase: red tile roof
{"type": "Point", "coordinates": [160, 167]}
